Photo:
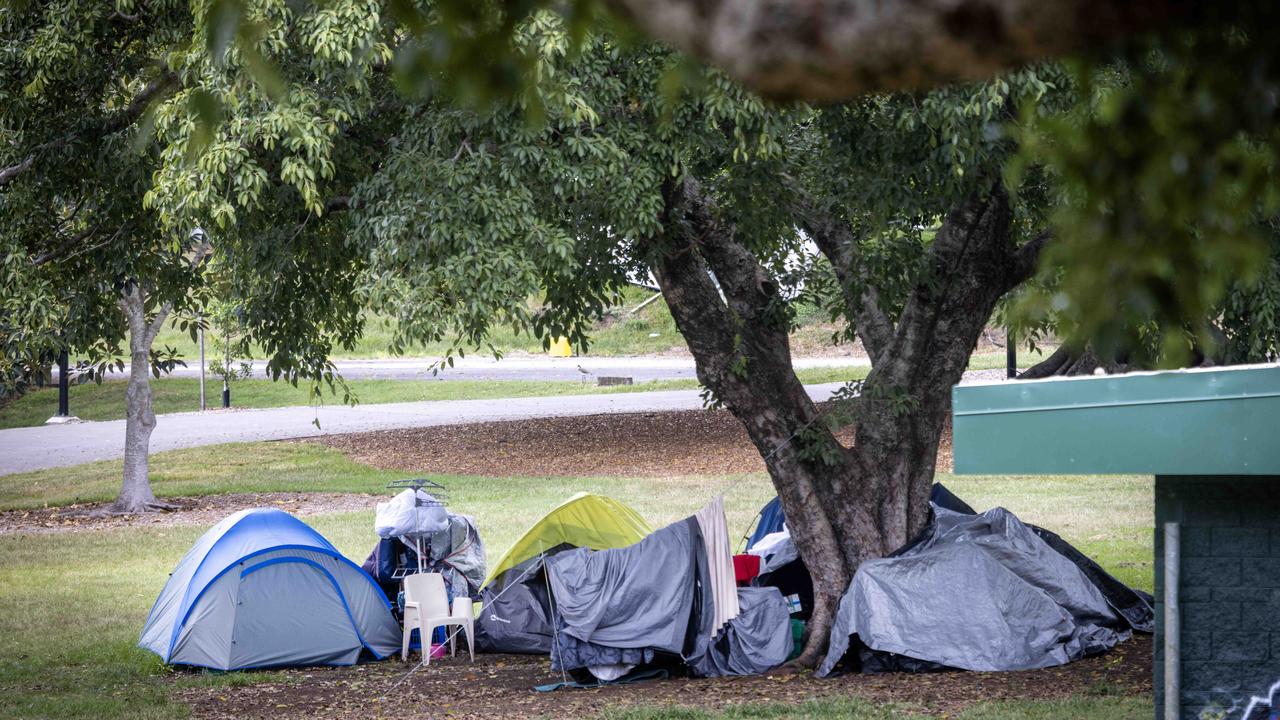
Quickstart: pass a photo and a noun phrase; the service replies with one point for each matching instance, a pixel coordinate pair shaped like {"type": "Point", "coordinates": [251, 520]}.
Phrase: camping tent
{"type": "Point", "coordinates": [671, 593]}
{"type": "Point", "coordinates": [262, 589]}
{"type": "Point", "coordinates": [584, 520]}
{"type": "Point", "coordinates": [591, 584]}
{"type": "Point", "coordinates": [902, 610]}
{"type": "Point", "coordinates": [516, 610]}
{"type": "Point", "coordinates": [976, 592]}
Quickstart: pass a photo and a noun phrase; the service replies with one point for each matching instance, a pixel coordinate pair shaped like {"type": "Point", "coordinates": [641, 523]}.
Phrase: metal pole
{"type": "Point", "coordinates": [63, 385]}
{"type": "Point", "coordinates": [226, 373]}
{"type": "Point", "coordinates": [1172, 625]}
{"type": "Point", "coordinates": [201, 331]}
{"type": "Point", "coordinates": [1010, 354]}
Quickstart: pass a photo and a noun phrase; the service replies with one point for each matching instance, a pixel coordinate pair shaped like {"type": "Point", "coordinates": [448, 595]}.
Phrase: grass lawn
{"type": "Point", "coordinates": [72, 604]}
{"type": "Point", "coordinates": [93, 401]}
{"type": "Point", "coordinates": [619, 333]}
{"type": "Point", "coordinates": [105, 401]}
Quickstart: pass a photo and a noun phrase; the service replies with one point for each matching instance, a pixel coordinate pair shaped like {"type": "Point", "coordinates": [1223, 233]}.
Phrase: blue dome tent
{"type": "Point", "coordinates": [263, 589]}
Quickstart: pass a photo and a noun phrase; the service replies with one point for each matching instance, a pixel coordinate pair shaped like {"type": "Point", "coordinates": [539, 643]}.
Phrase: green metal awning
{"type": "Point", "coordinates": [1217, 421]}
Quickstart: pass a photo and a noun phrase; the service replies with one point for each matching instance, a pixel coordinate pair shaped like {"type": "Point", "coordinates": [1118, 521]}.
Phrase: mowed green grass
{"type": "Point", "coordinates": [105, 401]}
{"type": "Point", "coordinates": [92, 401]}
{"type": "Point", "coordinates": [72, 604]}
{"type": "Point", "coordinates": [619, 333]}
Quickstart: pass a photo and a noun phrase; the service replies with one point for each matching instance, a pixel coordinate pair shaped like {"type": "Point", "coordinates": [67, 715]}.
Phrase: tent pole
{"type": "Point", "coordinates": [555, 627]}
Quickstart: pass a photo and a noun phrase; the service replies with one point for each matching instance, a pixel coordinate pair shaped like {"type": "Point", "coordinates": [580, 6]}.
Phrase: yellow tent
{"type": "Point", "coordinates": [584, 520]}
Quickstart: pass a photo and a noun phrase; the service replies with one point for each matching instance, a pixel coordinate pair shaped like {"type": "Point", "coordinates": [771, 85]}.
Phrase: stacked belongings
{"type": "Point", "coordinates": [516, 611]}
{"type": "Point", "coordinates": [975, 592]}
{"type": "Point", "coordinates": [668, 599]}
{"type": "Point", "coordinates": [450, 544]}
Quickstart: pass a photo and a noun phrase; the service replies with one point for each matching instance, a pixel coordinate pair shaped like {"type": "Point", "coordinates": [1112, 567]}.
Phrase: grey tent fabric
{"type": "Point", "coordinates": [651, 596]}
{"type": "Point", "coordinates": [979, 592]}
{"type": "Point", "coordinates": [633, 597]}
{"type": "Point", "coordinates": [570, 653]}
{"type": "Point", "coordinates": [756, 641]}
{"type": "Point", "coordinates": [515, 614]}
{"type": "Point", "coordinates": [458, 553]}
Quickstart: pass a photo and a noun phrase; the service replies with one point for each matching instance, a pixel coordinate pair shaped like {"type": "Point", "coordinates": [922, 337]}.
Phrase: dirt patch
{"type": "Point", "coordinates": [655, 444]}
{"type": "Point", "coordinates": [501, 686]}
{"type": "Point", "coordinates": [202, 510]}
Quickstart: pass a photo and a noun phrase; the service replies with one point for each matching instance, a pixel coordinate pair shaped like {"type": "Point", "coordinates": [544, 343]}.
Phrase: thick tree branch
{"type": "Point", "coordinates": [162, 85]}
{"type": "Point", "coordinates": [836, 242]}
{"type": "Point", "coordinates": [829, 50]}
{"type": "Point", "coordinates": [67, 244]}
{"type": "Point", "coordinates": [683, 276]}
{"type": "Point", "coordinates": [8, 174]}
{"type": "Point", "coordinates": [1026, 261]}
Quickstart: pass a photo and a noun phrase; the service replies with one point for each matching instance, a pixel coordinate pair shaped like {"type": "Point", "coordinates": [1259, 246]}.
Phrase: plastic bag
{"type": "Point", "coordinates": [401, 517]}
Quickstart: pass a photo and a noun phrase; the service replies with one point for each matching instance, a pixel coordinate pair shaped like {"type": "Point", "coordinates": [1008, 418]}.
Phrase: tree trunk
{"type": "Point", "coordinates": [1065, 361]}
{"type": "Point", "coordinates": [140, 419]}
{"type": "Point", "coordinates": [843, 505]}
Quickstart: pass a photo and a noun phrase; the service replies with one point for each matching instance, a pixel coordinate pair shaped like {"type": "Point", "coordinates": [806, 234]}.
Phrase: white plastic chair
{"type": "Point", "coordinates": [426, 607]}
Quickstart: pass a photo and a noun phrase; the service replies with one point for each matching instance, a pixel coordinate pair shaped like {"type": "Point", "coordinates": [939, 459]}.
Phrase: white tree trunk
{"type": "Point", "coordinates": [140, 418]}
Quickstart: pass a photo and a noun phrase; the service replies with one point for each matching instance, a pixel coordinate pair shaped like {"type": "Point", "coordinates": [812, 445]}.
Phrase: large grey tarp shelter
{"type": "Point", "coordinates": [665, 594]}
{"type": "Point", "coordinates": [263, 589]}
{"type": "Point", "coordinates": [976, 592]}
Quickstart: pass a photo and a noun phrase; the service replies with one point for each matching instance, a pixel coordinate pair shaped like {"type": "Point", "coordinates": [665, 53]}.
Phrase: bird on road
{"type": "Point", "coordinates": [585, 373]}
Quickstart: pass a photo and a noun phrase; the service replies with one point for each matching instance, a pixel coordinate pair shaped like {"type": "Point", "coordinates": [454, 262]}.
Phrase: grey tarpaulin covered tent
{"type": "Point", "coordinates": [665, 594]}
{"type": "Point", "coordinates": [757, 640]}
{"type": "Point", "coordinates": [977, 592]}
{"type": "Point", "coordinates": [262, 589]}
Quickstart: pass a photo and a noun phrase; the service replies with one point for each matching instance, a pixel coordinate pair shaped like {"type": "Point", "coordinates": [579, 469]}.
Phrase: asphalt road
{"type": "Point", "coordinates": [522, 368]}
{"type": "Point", "coordinates": [47, 446]}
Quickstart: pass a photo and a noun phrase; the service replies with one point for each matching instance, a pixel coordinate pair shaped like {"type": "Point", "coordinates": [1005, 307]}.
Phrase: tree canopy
{"type": "Point", "coordinates": [441, 162]}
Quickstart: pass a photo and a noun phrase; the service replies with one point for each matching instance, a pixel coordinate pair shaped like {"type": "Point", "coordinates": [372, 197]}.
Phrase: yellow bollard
{"type": "Point", "coordinates": [560, 348]}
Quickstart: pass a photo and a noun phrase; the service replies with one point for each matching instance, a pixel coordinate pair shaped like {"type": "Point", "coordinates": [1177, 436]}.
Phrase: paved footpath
{"type": "Point", "coordinates": [48, 446]}
{"type": "Point", "coordinates": [521, 367]}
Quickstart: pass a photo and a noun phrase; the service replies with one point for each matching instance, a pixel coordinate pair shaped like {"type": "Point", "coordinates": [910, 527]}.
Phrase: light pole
{"type": "Point", "coordinates": [200, 330]}
{"type": "Point", "coordinates": [64, 392]}
{"type": "Point", "coordinates": [64, 389]}
{"type": "Point", "coordinates": [1010, 354]}
{"type": "Point", "coordinates": [226, 374]}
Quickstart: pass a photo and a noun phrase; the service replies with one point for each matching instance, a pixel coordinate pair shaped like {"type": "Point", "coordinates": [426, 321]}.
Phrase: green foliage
{"type": "Point", "coordinates": [1166, 169]}
{"type": "Point", "coordinates": [129, 132]}
{"type": "Point", "coordinates": [534, 150]}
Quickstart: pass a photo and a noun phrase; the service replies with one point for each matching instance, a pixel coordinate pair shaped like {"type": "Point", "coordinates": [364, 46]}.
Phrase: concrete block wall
{"type": "Point", "coordinates": [1229, 593]}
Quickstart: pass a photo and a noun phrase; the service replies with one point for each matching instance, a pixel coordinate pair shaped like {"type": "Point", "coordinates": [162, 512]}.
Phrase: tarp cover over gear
{"type": "Point", "coordinates": [976, 592]}
{"type": "Point", "coordinates": [671, 593]}
{"type": "Point", "coordinates": [263, 589]}
{"type": "Point", "coordinates": [411, 512]}
{"type": "Point", "coordinates": [516, 613]}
